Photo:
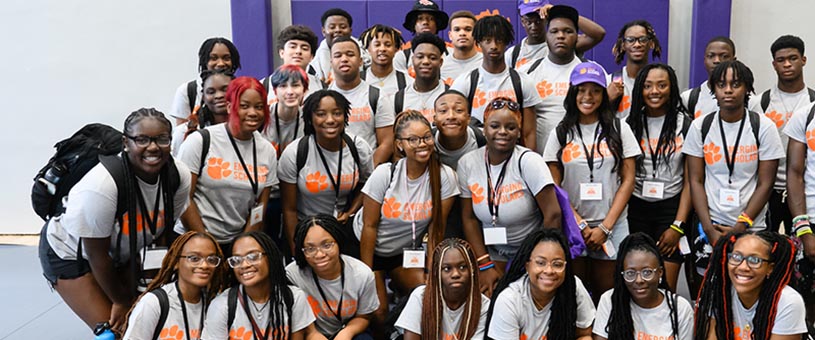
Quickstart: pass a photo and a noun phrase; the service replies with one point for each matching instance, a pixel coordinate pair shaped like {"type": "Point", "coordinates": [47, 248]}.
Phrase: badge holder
{"type": "Point", "coordinates": [591, 191]}
{"type": "Point", "coordinates": [153, 257]}
{"type": "Point", "coordinates": [256, 214]}
{"type": "Point", "coordinates": [413, 258]}
{"type": "Point", "coordinates": [729, 198]}
{"type": "Point", "coordinates": [652, 189]}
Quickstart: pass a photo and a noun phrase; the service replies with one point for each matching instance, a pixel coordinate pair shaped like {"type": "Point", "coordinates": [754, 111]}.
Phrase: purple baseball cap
{"type": "Point", "coordinates": [588, 72]}
{"type": "Point", "coordinates": [528, 6]}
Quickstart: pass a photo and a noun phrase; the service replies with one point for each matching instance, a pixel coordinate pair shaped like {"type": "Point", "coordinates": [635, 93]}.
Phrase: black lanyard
{"type": "Point", "coordinates": [151, 220]}
{"type": "Point", "coordinates": [338, 313]}
{"type": "Point", "coordinates": [654, 154]}
{"type": "Point", "coordinates": [184, 313]}
{"type": "Point", "coordinates": [252, 181]}
{"type": "Point", "coordinates": [494, 195]}
{"type": "Point", "coordinates": [730, 160]}
{"type": "Point", "coordinates": [590, 153]}
{"type": "Point", "coordinates": [255, 328]}
{"type": "Point", "coordinates": [335, 183]}
{"type": "Point", "coordinates": [277, 129]}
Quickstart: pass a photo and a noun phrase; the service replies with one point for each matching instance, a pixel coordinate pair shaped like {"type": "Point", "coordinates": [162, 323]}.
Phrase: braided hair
{"type": "Point", "coordinates": [327, 222]}
{"type": "Point", "coordinates": [741, 73]}
{"type": "Point", "coordinates": [620, 324]}
{"type": "Point", "coordinates": [433, 303]}
{"type": "Point", "coordinates": [715, 300]}
{"type": "Point", "coordinates": [564, 305]}
{"type": "Point", "coordinates": [206, 49]}
{"type": "Point", "coordinates": [618, 51]}
{"type": "Point", "coordinates": [380, 30]}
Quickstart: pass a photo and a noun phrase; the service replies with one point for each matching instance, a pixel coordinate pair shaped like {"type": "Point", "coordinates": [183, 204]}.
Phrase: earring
{"type": "Point", "coordinates": [401, 150]}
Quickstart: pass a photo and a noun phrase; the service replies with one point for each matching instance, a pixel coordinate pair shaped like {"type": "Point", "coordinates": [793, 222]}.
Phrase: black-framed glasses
{"type": "Point", "coordinates": [212, 260]}
{"type": "Point", "coordinates": [325, 248]}
{"type": "Point", "coordinates": [143, 141]}
{"type": "Point", "coordinates": [647, 274]}
{"type": "Point", "coordinates": [414, 140]}
{"type": "Point", "coordinates": [642, 40]}
{"type": "Point", "coordinates": [500, 104]}
{"type": "Point", "coordinates": [252, 258]}
{"type": "Point", "coordinates": [754, 262]}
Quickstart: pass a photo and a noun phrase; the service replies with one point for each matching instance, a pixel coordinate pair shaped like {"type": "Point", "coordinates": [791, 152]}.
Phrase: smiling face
{"type": "Point", "coordinates": [328, 120]}
{"type": "Point", "coordinates": [637, 51]}
{"type": "Point", "coordinates": [746, 280]}
{"type": "Point", "coordinates": [335, 26]}
{"type": "Point", "coordinates": [219, 58]}
{"type": "Point", "coordinates": [452, 116]}
{"type": "Point", "coordinates": [345, 60]}
{"type": "Point", "coordinates": [421, 150]}
{"type": "Point", "coordinates": [642, 291]}
{"type": "Point", "coordinates": [296, 52]}
{"type": "Point", "coordinates": [544, 279]}
{"type": "Point", "coordinates": [502, 130]}
{"type": "Point", "coordinates": [455, 274]}
{"type": "Point", "coordinates": [427, 61]}
{"type": "Point", "coordinates": [290, 93]}
{"type": "Point", "coordinates": [561, 37]}
{"type": "Point", "coordinates": [196, 275]}
{"type": "Point", "coordinates": [321, 261]}
{"type": "Point", "coordinates": [148, 160]}
{"type": "Point", "coordinates": [250, 112]}
{"type": "Point", "coordinates": [789, 64]}
{"type": "Point", "coordinates": [589, 97]}
{"type": "Point", "coordinates": [250, 274]}
{"type": "Point", "coordinates": [382, 49]}
{"type": "Point", "coordinates": [656, 91]}
{"type": "Point", "coordinates": [215, 93]}
{"type": "Point", "coordinates": [461, 33]}
{"type": "Point", "coordinates": [730, 91]}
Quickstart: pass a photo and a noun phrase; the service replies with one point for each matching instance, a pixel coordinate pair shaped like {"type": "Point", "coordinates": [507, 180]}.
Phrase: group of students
{"type": "Point", "coordinates": [496, 192]}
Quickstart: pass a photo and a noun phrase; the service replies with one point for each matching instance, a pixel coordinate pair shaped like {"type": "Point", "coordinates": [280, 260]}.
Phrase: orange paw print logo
{"type": "Point", "coordinates": [521, 62]}
{"type": "Point", "coordinates": [316, 182]}
{"type": "Point", "coordinates": [811, 139]}
{"type": "Point", "coordinates": [448, 81]}
{"type": "Point", "coordinates": [524, 337]}
{"type": "Point", "coordinates": [411, 72]}
{"type": "Point", "coordinates": [776, 117]}
{"type": "Point", "coordinates": [544, 89]}
{"type": "Point", "coordinates": [480, 99]}
{"type": "Point", "coordinates": [390, 208]}
{"type": "Point", "coordinates": [697, 114]}
{"type": "Point", "coordinates": [478, 193]}
{"type": "Point", "coordinates": [570, 152]}
{"type": "Point", "coordinates": [240, 334]}
{"type": "Point", "coordinates": [172, 333]}
{"type": "Point", "coordinates": [713, 153]}
{"type": "Point", "coordinates": [315, 305]}
{"type": "Point", "coordinates": [217, 168]}
{"type": "Point", "coordinates": [625, 104]}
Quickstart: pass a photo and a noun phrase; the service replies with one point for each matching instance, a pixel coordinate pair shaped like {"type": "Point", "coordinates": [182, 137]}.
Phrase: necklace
{"type": "Point", "coordinates": [380, 82]}
{"type": "Point", "coordinates": [424, 97]}
{"type": "Point", "coordinates": [259, 310]}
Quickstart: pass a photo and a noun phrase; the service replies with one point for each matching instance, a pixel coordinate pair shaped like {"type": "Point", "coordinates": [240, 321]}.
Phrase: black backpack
{"type": "Point", "coordinates": [754, 125]}
{"type": "Point", "coordinates": [164, 303]}
{"type": "Point", "coordinates": [765, 99]}
{"type": "Point", "coordinates": [192, 93]}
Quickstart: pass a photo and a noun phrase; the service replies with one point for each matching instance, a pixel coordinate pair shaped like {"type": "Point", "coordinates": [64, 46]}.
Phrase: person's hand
{"type": "Point", "coordinates": [343, 335]}
{"type": "Point", "coordinates": [488, 279]}
{"type": "Point", "coordinates": [343, 217]}
{"type": "Point", "coordinates": [716, 232]}
{"type": "Point", "coordinates": [809, 246]}
{"type": "Point", "coordinates": [596, 239]}
{"type": "Point", "coordinates": [615, 90]}
{"type": "Point", "coordinates": [544, 11]}
{"type": "Point", "coordinates": [668, 241]}
{"type": "Point", "coordinates": [118, 315]}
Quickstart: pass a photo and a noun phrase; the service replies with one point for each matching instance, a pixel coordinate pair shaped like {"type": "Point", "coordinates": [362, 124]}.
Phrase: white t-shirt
{"type": "Point", "coordinates": [529, 53]}
{"type": "Point", "coordinates": [491, 86]}
{"type": "Point", "coordinates": [649, 323]}
{"type": "Point", "coordinates": [745, 172]}
{"type": "Point", "coordinates": [322, 60]}
{"type": "Point", "coordinates": [576, 169]}
{"type": "Point", "coordinates": [451, 157]}
{"type": "Point", "coordinates": [215, 326]}
{"type": "Point", "coordinates": [706, 103]}
{"type": "Point", "coordinates": [145, 316]}
{"type": "Point", "coordinates": [670, 174]}
{"type": "Point", "coordinates": [628, 87]}
{"type": "Point", "coordinates": [518, 210]}
{"type": "Point", "coordinates": [223, 192]}
{"type": "Point", "coordinates": [288, 131]}
{"type": "Point", "coordinates": [362, 121]}
{"type": "Point", "coordinates": [388, 85]}
{"type": "Point", "coordinates": [315, 192]}
{"type": "Point", "coordinates": [789, 317]}
{"type": "Point", "coordinates": [358, 297]}
{"type": "Point", "coordinates": [515, 315]}
{"type": "Point", "coordinates": [797, 130]}
{"type": "Point", "coordinates": [181, 101]}
{"type": "Point", "coordinates": [423, 102]}
{"type": "Point", "coordinates": [552, 84]}
{"type": "Point", "coordinates": [411, 317]}
{"type": "Point", "coordinates": [403, 201]}
{"type": "Point", "coordinates": [780, 110]}
{"type": "Point", "coordinates": [452, 68]}
{"type": "Point", "coordinates": [90, 212]}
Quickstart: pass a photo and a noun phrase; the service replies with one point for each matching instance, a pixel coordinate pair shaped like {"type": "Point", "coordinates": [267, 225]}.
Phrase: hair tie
{"type": "Point", "coordinates": [775, 245]}
{"type": "Point", "coordinates": [733, 238]}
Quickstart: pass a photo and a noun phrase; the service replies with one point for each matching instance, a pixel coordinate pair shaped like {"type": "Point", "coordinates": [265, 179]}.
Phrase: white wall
{"type": "Point", "coordinates": [679, 26]}
{"type": "Point", "coordinates": [74, 62]}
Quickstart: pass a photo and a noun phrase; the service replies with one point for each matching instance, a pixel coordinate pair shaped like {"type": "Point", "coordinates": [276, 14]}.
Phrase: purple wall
{"type": "Point", "coordinates": [252, 35]}
{"type": "Point", "coordinates": [708, 22]}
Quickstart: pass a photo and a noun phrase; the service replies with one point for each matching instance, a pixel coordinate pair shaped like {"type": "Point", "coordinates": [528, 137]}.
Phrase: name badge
{"type": "Point", "coordinates": [495, 235]}
{"type": "Point", "coordinates": [153, 258]}
{"type": "Point", "coordinates": [256, 215]}
{"type": "Point", "coordinates": [684, 247]}
{"type": "Point", "coordinates": [729, 198]}
{"type": "Point", "coordinates": [591, 191]}
{"type": "Point", "coordinates": [653, 189]}
{"type": "Point", "coordinates": [609, 249]}
{"type": "Point", "coordinates": [413, 258]}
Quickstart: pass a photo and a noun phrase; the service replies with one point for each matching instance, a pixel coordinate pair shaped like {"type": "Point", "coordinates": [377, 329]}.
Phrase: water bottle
{"type": "Point", "coordinates": [103, 332]}
{"type": "Point", "coordinates": [52, 177]}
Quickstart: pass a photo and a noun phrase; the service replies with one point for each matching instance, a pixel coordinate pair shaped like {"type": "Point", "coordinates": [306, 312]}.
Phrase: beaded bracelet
{"type": "Point", "coordinates": [604, 229]}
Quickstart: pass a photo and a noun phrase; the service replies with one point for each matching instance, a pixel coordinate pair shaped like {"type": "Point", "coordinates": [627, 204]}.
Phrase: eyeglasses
{"type": "Point", "coordinates": [647, 274]}
{"type": "Point", "coordinates": [212, 260]}
{"type": "Point", "coordinates": [414, 141]}
{"type": "Point", "coordinates": [558, 266]}
{"type": "Point", "coordinates": [325, 248]}
{"type": "Point", "coordinates": [500, 104]}
{"type": "Point", "coordinates": [642, 40]}
{"type": "Point", "coordinates": [143, 141]}
{"type": "Point", "coordinates": [735, 259]}
{"type": "Point", "coordinates": [252, 258]}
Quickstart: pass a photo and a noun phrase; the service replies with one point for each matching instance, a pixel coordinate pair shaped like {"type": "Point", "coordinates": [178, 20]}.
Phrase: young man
{"type": "Point", "coordinates": [464, 57]}
{"type": "Point", "coordinates": [335, 23]}
{"type": "Point", "coordinates": [700, 100]}
{"type": "Point", "coordinates": [552, 72]}
{"type": "Point", "coordinates": [534, 14]}
{"type": "Point", "coordinates": [373, 124]}
{"type": "Point", "coordinates": [382, 42]}
{"type": "Point", "coordinates": [636, 39]}
{"type": "Point", "coordinates": [495, 79]}
{"type": "Point", "coordinates": [427, 60]}
{"type": "Point", "coordinates": [425, 17]}
{"type": "Point", "coordinates": [778, 103]}
{"type": "Point", "coordinates": [296, 45]}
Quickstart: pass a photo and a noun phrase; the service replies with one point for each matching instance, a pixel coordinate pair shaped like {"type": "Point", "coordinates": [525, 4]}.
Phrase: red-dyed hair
{"type": "Point", "coordinates": [515, 113]}
{"type": "Point", "coordinates": [233, 96]}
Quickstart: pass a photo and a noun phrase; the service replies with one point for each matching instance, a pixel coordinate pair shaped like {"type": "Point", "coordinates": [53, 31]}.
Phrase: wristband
{"type": "Point", "coordinates": [745, 219]}
{"type": "Point", "coordinates": [803, 231]}
{"type": "Point", "coordinates": [583, 224]}
{"type": "Point", "coordinates": [677, 229]}
{"type": "Point", "coordinates": [800, 224]}
{"type": "Point", "coordinates": [604, 229]}
{"type": "Point", "coordinates": [799, 218]}
{"type": "Point", "coordinates": [486, 266]}
{"type": "Point", "coordinates": [482, 258]}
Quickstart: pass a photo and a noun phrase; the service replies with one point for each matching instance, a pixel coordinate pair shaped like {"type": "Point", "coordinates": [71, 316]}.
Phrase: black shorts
{"type": "Point", "coordinates": [653, 218]}
{"type": "Point", "coordinates": [387, 263]}
{"type": "Point", "coordinates": [54, 268]}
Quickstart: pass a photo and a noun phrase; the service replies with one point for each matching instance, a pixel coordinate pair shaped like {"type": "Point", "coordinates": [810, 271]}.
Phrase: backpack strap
{"type": "Point", "coordinates": [352, 146]}
{"type": "Point", "coordinates": [113, 164]}
{"type": "Point", "coordinates": [192, 88]}
{"type": "Point", "coordinates": [516, 52]}
{"type": "Point", "coordinates": [534, 66]}
{"type": "Point", "coordinates": [399, 101]}
{"type": "Point", "coordinates": [266, 84]}
{"type": "Point", "coordinates": [363, 73]}
{"type": "Point", "coordinates": [401, 83]}
{"type": "Point", "coordinates": [231, 306]}
{"type": "Point", "coordinates": [706, 126]}
{"type": "Point", "coordinates": [407, 53]}
{"type": "Point", "coordinates": [765, 101]}
{"type": "Point", "coordinates": [810, 115]}
{"type": "Point", "coordinates": [479, 136]}
{"type": "Point", "coordinates": [302, 152]}
{"type": "Point", "coordinates": [310, 70]}
{"type": "Point", "coordinates": [755, 122]}
{"type": "Point", "coordinates": [686, 122]}
{"type": "Point", "coordinates": [473, 84]}
{"type": "Point", "coordinates": [693, 99]}
{"type": "Point", "coordinates": [811, 94]}
{"type": "Point", "coordinates": [164, 303]}
{"type": "Point", "coordinates": [447, 87]}
{"type": "Point", "coordinates": [373, 98]}
{"type": "Point", "coordinates": [515, 77]}
{"type": "Point", "coordinates": [393, 171]}
{"type": "Point", "coordinates": [205, 141]}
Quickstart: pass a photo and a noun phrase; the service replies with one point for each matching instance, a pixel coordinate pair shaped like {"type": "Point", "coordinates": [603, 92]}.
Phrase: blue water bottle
{"type": "Point", "coordinates": [103, 332]}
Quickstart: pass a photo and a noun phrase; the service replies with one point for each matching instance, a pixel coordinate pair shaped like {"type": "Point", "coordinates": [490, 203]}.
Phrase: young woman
{"type": "Point", "coordinates": [634, 41]}
{"type": "Point", "coordinates": [290, 83]}
{"type": "Point", "coordinates": [641, 305]}
{"type": "Point", "coordinates": [232, 176]}
{"type": "Point", "coordinates": [401, 202]}
{"type": "Point", "coordinates": [335, 166]}
{"type": "Point", "coordinates": [745, 293]}
{"type": "Point", "coordinates": [451, 305]}
{"type": "Point", "coordinates": [191, 275]}
{"type": "Point", "coordinates": [382, 42]}
{"type": "Point", "coordinates": [591, 154]}
{"type": "Point", "coordinates": [506, 192]}
{"type": "Point", "coordinates": [86, 253]}
{"type": "Point", "coordinates": [454, 137]}
{"type": "Point", "coordinates": [339, 288]}
{"type": "Point", "coordinates": [539, 297]}
{"type": "Point", "coordinates": [215, 83]}
{"type": "Point", "coordinates": [661, 201]}
{"type": "Point", "coordinates": [263, 304]}
{"type": "Point", "coordinates": [215, 53]}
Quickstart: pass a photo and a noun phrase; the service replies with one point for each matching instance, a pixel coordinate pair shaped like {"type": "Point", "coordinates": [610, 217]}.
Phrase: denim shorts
{"type": "Point", "coordinates": [54, 268]}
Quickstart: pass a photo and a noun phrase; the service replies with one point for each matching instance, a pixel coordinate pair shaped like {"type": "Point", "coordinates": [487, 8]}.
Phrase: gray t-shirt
{"type": "Point", "coordinates": [706, 103]}
{"type": "Point", "coordinates": [518, 210]}
{"type": "Point", "coordinates": [389, 84]}
{"type": "Point", "coordinates": [552, 84]}
{"type": "Point", "coordinates": [358, 297]}
{"type": "Point", "coordinates": [451, 157]}
{"type": "Point", "coordinates": [527, 56]}
{"type": "Point", "coordinates": [422, 102]}
{"type": "Point", "coordinates": [515, 313]}
{"type": "Point", "coordinates": [452, 68]}
{"type": "Point", "coordinates": [223, 192]}
{"type": "Point", "coordinates": [576, 169]}
{"type": "Point", "coordinates": [362, 121]}
{"type": "Point", "coordinates": [411, 317]}
{"type": "Point", "coordinates": [315, 192]}
{"type": "Point", "coordinates": [145, 316]}
{"type": "Point", "coordinates": [280, 132]}
{"type": "Point", "coordinates": [649, 323]}
{"type": "Point", "coordinates": [789, 317]}
{"type": "Point", "coordinates": [745, 171]}
{"type": "Point", "coordinates": [798, 130]}
{"type": "Point", "coordinates": [491, 86]}
{"type": "Point", "coordinates": [670, 173]}
{"type": "Point", "coordinates": [403, 201]}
